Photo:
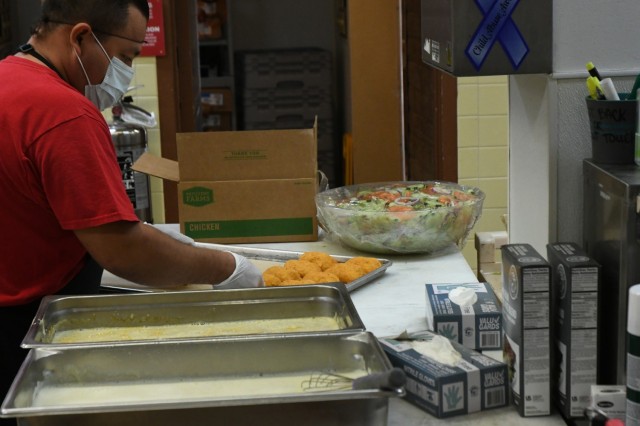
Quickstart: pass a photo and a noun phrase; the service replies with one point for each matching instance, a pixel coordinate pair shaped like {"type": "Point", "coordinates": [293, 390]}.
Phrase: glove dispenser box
{"type": "Point", "coordinates": [487, 37]}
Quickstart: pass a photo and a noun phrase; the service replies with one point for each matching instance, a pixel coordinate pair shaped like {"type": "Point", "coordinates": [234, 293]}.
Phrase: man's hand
{"type": "Point", "coordinates": [246, 275]}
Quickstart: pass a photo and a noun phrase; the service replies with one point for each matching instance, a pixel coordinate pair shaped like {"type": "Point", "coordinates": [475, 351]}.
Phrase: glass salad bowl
{"type": "Point", "coordinates": [400, 217]}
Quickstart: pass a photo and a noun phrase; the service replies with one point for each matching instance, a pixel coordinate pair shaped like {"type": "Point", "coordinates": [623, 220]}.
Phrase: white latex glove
{"type": "Point", "coordinates": [246, 275]}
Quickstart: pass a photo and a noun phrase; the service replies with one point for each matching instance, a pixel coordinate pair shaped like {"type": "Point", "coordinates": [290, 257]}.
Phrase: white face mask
{"type": "Point", "coordinates": [116, 82]}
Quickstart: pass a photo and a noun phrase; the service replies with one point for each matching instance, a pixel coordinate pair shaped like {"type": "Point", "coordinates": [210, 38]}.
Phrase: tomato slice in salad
{"type": "Point", "coordinates": [398, 198]}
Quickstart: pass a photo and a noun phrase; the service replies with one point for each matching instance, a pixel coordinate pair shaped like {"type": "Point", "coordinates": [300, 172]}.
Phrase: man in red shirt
{"type": "Point", "coordinates": [65, 214]}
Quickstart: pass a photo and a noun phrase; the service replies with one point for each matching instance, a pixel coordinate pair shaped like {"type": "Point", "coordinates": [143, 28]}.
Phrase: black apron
{"type": "Point", "coordinates": [16, 320]}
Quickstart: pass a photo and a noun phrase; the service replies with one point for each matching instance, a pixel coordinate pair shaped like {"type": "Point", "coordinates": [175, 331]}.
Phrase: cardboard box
{"type": "Point", "coordinates": [216, 99]}
{"type": "Point", "coordinates": [478, 326]}
{"type": "Point", "coordinates": [243, 186]}
{"type": "Point", "coordinates": [610, 399]}
{"type": "Point", "coordinates": [214, 8]}
{"type": "Point", "coordinates": [210, 28]}
{"type": "Point", "coordinates": [525, 319]}
{"type": "Point", "coordinates": [574, 313]}
{"type": "Point", "coordinates": [217, 122]}
{"type": "Point", "coordinates": [476, 383]}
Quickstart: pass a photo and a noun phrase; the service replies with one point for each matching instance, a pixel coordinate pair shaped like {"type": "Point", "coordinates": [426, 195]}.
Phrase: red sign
{"type": "Point", "coordinates": [154, 38]}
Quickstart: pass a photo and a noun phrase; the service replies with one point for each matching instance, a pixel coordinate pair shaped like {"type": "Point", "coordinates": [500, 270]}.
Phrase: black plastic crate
{"type": "Point", "coordinates": [272, 113]}
{"type": "Point", "coordinates": [286, 97]}
{"type": "Point", "coordinates": [284, 68]}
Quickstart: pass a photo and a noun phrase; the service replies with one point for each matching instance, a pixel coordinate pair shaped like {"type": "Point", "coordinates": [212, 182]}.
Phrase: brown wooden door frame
{"type": "Point", "coordinates": [430, 108]}
{"type": "Point", "coordinates": [178, 86]}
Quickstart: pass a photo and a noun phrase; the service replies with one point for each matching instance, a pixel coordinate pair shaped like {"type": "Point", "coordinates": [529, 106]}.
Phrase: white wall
{"type": "Point", "coordinates": [606, 33]}
{"type": "Point", "coordinates": [529, 166]}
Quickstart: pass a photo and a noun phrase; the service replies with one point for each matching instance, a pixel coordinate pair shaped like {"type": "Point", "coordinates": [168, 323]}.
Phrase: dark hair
{"type": "Point", "coordinates": [107, 16]}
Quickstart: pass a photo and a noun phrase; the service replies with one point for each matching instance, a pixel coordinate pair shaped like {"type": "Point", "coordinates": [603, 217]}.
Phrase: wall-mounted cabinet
{"type": "Point", "coordinates": [474, 38]}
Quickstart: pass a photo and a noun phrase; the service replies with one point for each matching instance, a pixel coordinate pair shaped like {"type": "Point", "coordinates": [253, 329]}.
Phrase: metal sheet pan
{"type": "Point", "coordinates": [263, 258]}
{"type": "Point", "coordinates": [281, 256]}
{"type": "Point", "coordinates": [113, 369]}
{"type": "Point", "coordinates": [61, 313]}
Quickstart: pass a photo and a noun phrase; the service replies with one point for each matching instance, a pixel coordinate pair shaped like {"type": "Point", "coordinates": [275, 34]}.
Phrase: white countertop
{"type": "Point", "coordinates": [395, 302]}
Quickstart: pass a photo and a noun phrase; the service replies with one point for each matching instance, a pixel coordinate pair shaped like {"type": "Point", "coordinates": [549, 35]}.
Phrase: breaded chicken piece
{"type": "Point", "coordinates": [282, 273]}
{"type": "Point", "coordinates": [271, 280]}
{"type": "Point", "coordinates": [368, 263]}
{"type": "Point", "coordinates": [302, 281]}
{"type": "Point", "coordinates": [347, 272]}
{"type": "Point", "coordinates": [322, 277]}
{"type": "Point", "coordinates": [303, 267]}
{"type": "Point", "coordinates": [319, 258]}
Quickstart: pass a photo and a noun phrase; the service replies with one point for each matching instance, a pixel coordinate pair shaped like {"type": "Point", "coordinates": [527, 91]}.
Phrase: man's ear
{"type": "Point", "coordinates": [78, 32]}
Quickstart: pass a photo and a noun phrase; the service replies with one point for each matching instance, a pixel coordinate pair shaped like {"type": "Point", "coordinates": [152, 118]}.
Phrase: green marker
{"type": "Point", "coordinates": [634, 90]}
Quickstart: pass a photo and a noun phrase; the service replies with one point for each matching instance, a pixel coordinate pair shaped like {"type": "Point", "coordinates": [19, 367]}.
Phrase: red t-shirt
{"type": "Point", "coordinates": [58, 173]}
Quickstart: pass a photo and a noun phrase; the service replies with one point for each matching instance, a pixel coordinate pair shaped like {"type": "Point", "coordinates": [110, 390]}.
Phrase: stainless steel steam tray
{"type": "Point", "coordinates": [254, 380]}
{"type": "Point", "coordinates": [191, 315]}
{"type": "Point", "coordinates": [263, 258]}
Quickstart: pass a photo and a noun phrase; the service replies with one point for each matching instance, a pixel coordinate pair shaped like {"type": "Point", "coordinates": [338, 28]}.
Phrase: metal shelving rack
{"type": "Point", "coordinates": [217, 59]}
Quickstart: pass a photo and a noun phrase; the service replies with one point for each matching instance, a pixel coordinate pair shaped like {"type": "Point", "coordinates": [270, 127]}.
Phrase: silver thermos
{"type": "Point", "coordinates": [130, 141]}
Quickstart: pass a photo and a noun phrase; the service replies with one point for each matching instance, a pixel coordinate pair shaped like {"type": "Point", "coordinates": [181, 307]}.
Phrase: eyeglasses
{"type": "Point", "coordinates": [46, 20]}
{"type": "Point", "coordinates": [120, 36]}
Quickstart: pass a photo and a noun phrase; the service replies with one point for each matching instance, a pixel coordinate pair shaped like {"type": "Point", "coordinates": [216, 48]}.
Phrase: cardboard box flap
{"type": "Point", "coordinates": [158, 167]}
{"type": "Point", "coordinates": [248, 154]}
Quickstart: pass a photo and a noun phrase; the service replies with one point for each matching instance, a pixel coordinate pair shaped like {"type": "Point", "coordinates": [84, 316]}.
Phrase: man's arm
{"type": "Point", "coordinates": [145, 255]}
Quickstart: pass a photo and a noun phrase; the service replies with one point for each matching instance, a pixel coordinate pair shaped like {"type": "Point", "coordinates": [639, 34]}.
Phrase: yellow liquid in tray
{"type": "Point", "coordinates": [195, 330]}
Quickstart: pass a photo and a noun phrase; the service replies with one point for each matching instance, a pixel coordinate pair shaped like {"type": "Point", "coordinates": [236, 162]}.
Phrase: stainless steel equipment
{"type": "Point", "coordinates": [612, 237]}
{"type": "Point", "coordinates": [193, 309]}
{"type": "Point", "coordinates": [140, 384]}
{"type": "Point", "coordinates": [130, 141]}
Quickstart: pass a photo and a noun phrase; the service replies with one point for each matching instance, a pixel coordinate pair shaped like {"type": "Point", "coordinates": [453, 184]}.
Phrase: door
{"type": "Point", "coordinates": [404, 112]}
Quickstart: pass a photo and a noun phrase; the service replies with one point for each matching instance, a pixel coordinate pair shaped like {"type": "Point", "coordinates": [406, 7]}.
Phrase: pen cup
{"type": "Point", "coordinates": [637, 145]}
{"type": "Point", "coordinates": [614, 125]}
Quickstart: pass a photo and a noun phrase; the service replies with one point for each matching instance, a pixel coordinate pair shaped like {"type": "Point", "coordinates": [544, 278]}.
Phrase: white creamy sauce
{"type": "Point", "coordinates": [205, 329]}
{"type": "Point", "coordinates": [145, 392]}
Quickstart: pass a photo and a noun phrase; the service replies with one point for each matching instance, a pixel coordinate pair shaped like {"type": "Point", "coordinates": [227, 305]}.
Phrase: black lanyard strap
{"type": "Point", "coordinates": [30, 50]}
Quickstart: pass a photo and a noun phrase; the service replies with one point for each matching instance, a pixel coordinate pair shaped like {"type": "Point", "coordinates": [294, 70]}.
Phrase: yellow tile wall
{"type": "Point", "coordinates": [483, 149]}
{"type": "Point", "coordinates": [146, 97]}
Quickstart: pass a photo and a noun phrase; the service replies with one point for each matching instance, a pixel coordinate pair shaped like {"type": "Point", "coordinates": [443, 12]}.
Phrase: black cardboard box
{"type": "Point", "coordinates": [526, 348]}
{"type": "Point", "coordinates": [574, 314]}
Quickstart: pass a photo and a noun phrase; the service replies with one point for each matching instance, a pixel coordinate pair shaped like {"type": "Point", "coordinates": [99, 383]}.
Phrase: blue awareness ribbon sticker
{"type": "Point", "coordinates": [497, 25]}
